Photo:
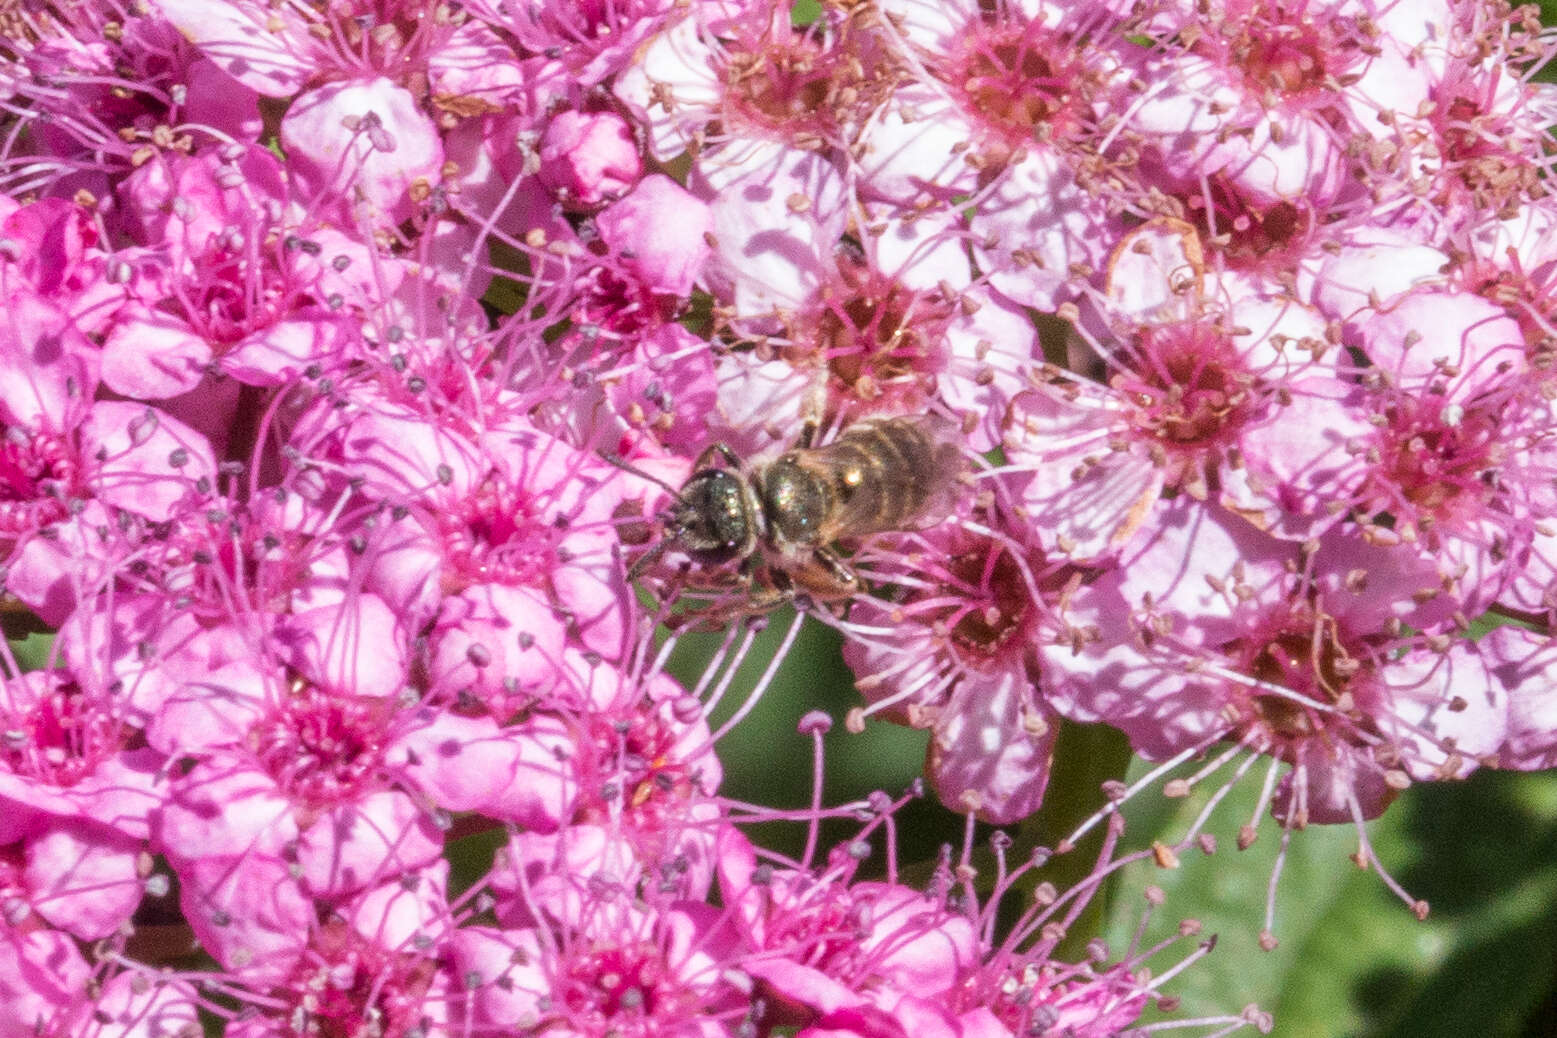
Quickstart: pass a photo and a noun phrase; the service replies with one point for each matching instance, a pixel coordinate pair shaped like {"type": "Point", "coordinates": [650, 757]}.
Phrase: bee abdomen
{"type": "Point", "coordinates": [887, 473]}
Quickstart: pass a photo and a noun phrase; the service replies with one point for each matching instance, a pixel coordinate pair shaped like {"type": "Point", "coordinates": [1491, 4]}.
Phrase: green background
{"type": "Point", "coordinates": [1352, 959]}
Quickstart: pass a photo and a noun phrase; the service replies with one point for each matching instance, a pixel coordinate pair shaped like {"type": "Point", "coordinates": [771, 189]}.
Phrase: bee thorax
{"type": "Point", "coordinates": [795, 501]}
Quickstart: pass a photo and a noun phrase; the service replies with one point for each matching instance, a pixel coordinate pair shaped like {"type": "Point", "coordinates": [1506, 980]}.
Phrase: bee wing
{"type": "Point", "coordinates": [947, 465]}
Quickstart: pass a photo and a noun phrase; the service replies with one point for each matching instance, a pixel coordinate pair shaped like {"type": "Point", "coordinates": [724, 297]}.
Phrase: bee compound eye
{"type": "Point", "coordinates": [727, 512]}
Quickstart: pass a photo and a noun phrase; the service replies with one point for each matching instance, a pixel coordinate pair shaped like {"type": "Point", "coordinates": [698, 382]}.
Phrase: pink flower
{"type": "Point", "coordinates": [1206, 632]}
{"type": "Point", "coordinates": [373, 966]}
{"type": "Point", "coordinates": [598, 960]}
{"type": "Point", "coordinates": [1196, 367]}
{"type": "Point", "coordinates": [1008, 108]}
{"type": "Point", "coordinates": [956, 651]}
{"type": "Point", "coordinates": [1480, 129]}
{"type": "Point", "coordinates": [514, 507]}
{"type": "Point", "coordinates": [1284, 152]}
{"type": "Point", "coordinates": [299, 795]}
{"type": "Point", "coordinates": [229, 287]}
{"type": "Point", "coordinates": [590, 158]}
{"type": "Point", "coordinates": [73, 762]}
{"type": "Point", "coordinates": [639, 766]}
{"type": "Point", "coordinates": [765, 80]}
{"type": "Point", "coordinates": [897, 326]}
{"type": "Point", "coordinates": [369, 134]}
{"type": "Point", "coordinates": [833, 944]}
{"type": "Point", "coordinates": [648, 256]}
{"type": "Point", "coordinates": [1001, 83]}
{"type": "Point", "coordinates": [659, 230]}
{"type": "Point", "coordinates": [98, 85]}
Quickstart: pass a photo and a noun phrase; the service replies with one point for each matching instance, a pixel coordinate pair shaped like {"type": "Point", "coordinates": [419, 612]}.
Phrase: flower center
{"type": "Point", "coordinates": [497, 537]}
{"type": "Point", "coordinates": [352, 988]}
{"type": "Point", "coordinates": [1291, 49]}
{"type": "Point", "coordinates": [224, 299]}
{"type": "Point", "coordinates": [881, 341]}
{"type": "Point", "coordinates": [1020, 80]}
{"type": "Point", "coordinates": [803, 87]}
{"type": "Point", "coordinates": [1189, 387]}
{"type": "Point", "coordinates": [1439, 459]}
{"type": "Point", "coordinates": [1245, 235]}
{"type": "Point", "coordinates": [613, 982]}
{"type": "Point", "coordinates": [37, 477]}
{"type": "Point", "coordinates": [1316, 668]}
{"type": "Point", "coordinates": [321, 748]}
{"type": "Point", "coordinates": [1486, 152]}
{"type": "Point", "coordinates": [992, 618]}
{"type": "Point", "coordinates": [59, 739]}
{"type": "Point", "coordinates": [981, 603]}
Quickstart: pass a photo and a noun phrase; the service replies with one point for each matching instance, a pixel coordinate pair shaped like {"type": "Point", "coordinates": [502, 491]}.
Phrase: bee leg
{"type": "Point", "coordinates": [758, 603]}
{"type": "Point", "coordinates": [847, 581]}
{"type": "Point", "coordinates": [813, 404]}
{"type": "Point", "coordinates": [646, 560]}
{"type": "Point", "coordinates": [723, 450]}
{"type": "Point", "coordinates": [807, 434]}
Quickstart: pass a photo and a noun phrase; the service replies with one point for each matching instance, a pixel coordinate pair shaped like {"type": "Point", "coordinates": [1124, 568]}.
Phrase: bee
{"type": "Point", "coordinates": [777, 521]}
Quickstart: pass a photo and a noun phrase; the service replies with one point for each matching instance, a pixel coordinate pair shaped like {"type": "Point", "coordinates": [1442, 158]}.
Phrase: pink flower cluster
{"type": "Point", "coordinates": [349, 351]}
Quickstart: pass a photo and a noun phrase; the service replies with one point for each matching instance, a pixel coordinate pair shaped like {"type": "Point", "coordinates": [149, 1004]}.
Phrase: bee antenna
{"type": "Point", "coordinates": [627, 466]}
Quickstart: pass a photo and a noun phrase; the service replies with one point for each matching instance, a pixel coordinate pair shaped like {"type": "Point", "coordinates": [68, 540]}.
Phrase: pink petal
{"type": "Point", "coordinates": [225, 814]}
{"type": "Point", "coordinates": [365, 137]}
{"type": "Point", "coordinates": [248, 913]}
{"type": "Point", "coordinates": [275, 355]}
{"type": "Point", "coordinates": [153, 355]}
{"type": "Point", "coordinates": [355, 647]}
{"type": "Point", "coordinates": [984, 757]}
{"type": "Point", "coordinates": [43, 980]}
{"type": "Point", "coordinates": [372, 840]}
{"type": "Point", "coordinates": [148, 462]}
{"type": "Point", "coordinates": [51, 369]}
{"type": "Point", "coordinates": [660, 230]}
{"type": "Point", "coordinates": [590, 158]}
{"type": "Point", "coordinates": [245, 40]}
{"type": "Point", "coordinates": [403, 911]}
{"type": "Point", "coordinates": [83, 878]}
{"type": "Point", "coordinates": [469, 764]}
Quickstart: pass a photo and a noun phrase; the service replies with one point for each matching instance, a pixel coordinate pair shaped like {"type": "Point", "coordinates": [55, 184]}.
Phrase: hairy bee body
{"type": "Point", "coordinates": [879, 475]}
{"type": "Point", "coordinates": [779, 519]}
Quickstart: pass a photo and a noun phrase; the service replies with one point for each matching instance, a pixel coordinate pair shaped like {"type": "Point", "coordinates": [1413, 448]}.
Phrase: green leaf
{"type": "Point", "coordinates": [812, 676]}
{"type": "Point", "coordinates": [1352, 959]}
{"type": "Point", "coordinates": [32, 649]}
{"type": "Point", "coordinates": [804, 12]}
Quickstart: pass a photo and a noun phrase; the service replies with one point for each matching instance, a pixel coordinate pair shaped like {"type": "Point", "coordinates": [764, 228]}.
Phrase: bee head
{"type": "Point", "coordinates": [712, 521]}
